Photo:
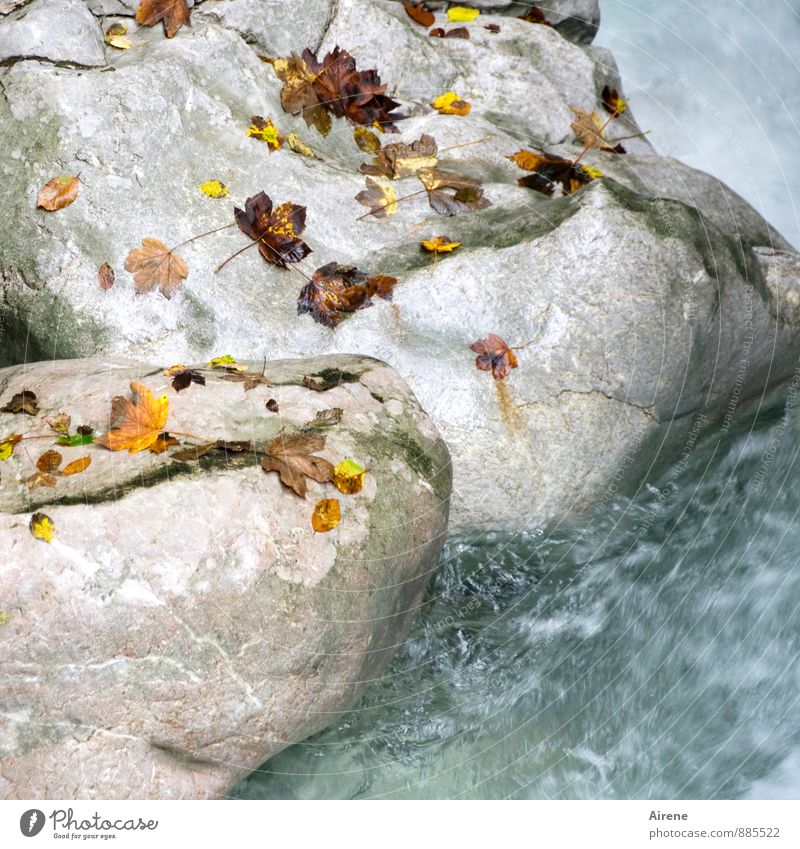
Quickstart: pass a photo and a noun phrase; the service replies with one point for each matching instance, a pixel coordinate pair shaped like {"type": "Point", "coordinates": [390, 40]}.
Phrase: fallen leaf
{"type": "Point", "coordinates": [272, 405]}
{"type": "Point", "coordinates": [326, 516]}
{"type": "Point", "coordinates": [535, 15]}
{"type": "Point", "coordinates": [348, 477]}
{"type": "Point", "coordinates": [135, 426]}
{"type": "Point", "coordinates": [264, 130]}
{"type": "Point", "coordinates": [493, 28]}
{"type": "Point", "coordinates": [38, 479]}
{"type": "Point", "coordinates": [22, 402]}
{"type": "Point", "coordinates": [326, 418]}
{"type": "Point", "coordinates": [290, 455]}
{"type": "Point", "coordinates": [494, 355]}
{"type": "Point", "coordinates": [379, 196]}
{"type": "Point", "coordinates": [76, 467]}
{"type": "Point", "coordinates": [550, 171]}
{"type": "Point", "coordinates": [238, 446]}
{"type": "Point", "coordinates": [450, 103]}
{"type": "Point", "coordinates": [192, 452]}
{"type": "Point", "coordinates": [163, 441]}
{"type": "Point", "coordinates": [462, 14]}
{"type": "Point", "coordinates": [334, 291]}
{"type": "Point", "coordinates": [295, 143]}
{"type": "Point", "coordinates": [84, 436]}
{"type": "Point", "coordinates": [381, 286]}
{"type": "Point", "coordinates": [467, 192]}
{"type": "Point", "coordinates": [419, 12]}
{"type": "Point", "coordinates": [7, 445]}
{"type": "Point", "coordinates": [589, 129]}
{"type": "Point", "coordinates": [182, 377]}
{"type": "Point", "coordinates": [115, 36]}
{"type": "Point", "coordinates": [49, 461]}
{"type": "Point", "coordinates": [457, 32]}
{"type": "Point", "coordinates": [247, 378]}
{"type": "Point", "coordinates": [277, 231]}
{"type": "Point", "coordinates": [366, 140]}
{"type": "Point", "coordinates": [42, 527]}
{"type": "Point", "coordinates": [57, 193]}
{"type": "Point", "coordinates": [174, 13]}
{"type": "Point", "coordinates": [154, 264]}
{"type": "Point", "coordinates": [440, 245]}
{"type": "Point", "coordinates": [59, 423]}
{"type": "Point", "coordinates": [298, 95]}
{"type": "Point", "coordinates": [213, 189]}
{"type": "Point", "coordinates": [613, 102]}
{"type": "Point", "coordinates": [400, 159]}
{"type": "Point", "coordinates": [227, 362]}
{"type": "Point", "coordinates": [106, 276]}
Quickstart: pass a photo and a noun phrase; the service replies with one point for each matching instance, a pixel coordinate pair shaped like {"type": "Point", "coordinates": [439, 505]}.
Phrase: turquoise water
{"type": "Point", "coordinates": [650, 652]}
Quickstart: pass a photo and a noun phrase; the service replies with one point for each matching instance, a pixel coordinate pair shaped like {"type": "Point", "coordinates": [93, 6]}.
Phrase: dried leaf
{"type": "Point", "coordinates": [49, 461]}
{"type": "Point", "coordinates": [440, 245]}
{"type": "Point", "coordinates": [400, 159]}
{"type": "Point", "coordinates": [248, 379]}
{"type": "Point", "coordinates": [493, 28]}
{"type": "Point", "coordinates": [366, 140]}
{"type": "Point", "coordinates": [349, 476]}
{"type": "Point", "coordinates": [494, 355]}
{"type": "Point", "coordinates": [589, 129]}
{"type": "Point", "coordinates": [336, 290]}
{"type": "Point", "coordinates": [264, 130]}
{"type": "Point", "coordinates": [76, 466]}
{"type": "Point", "coordinates": [135, 426]}
{"type": "Point", "coordinates": [163, 441]}
{"type": "Point", "coordinates": [154, 264]}
{"type": "Point", "coordinates": [326, 516]}
{"type": "Point", "coordinates": [295, 143]}
{"type": "Point", "coordinates": [22, 402]}
{"type": "Point", "coordinates": [106, 276]}
{"type": "Point", "coordinates": [535, 15]}
{"type": "Point", "coordinates": [272, 405]}
{"type": "Point", "coordinates": [457, 32]}
{"type": "Point", "coordinates": [57, 193]}
{"type": "Point", "coordinates": [42, 527]}
{"type": "Point", "coordinates": [182, 377]}
{"type": "Point", "coordinates": [193, 452]}
{"type": "Point", "coordinates": [379, 196]}
{"type": "Point", "coordinates": [213, 189]}
{"type": "Point", "coordinates": [326, 418]}
{"type": "Point", "coordinates": [7, 445]}
{"type": "Point", "coordinates": [381, 286]}
{"type": "Point", "coordinates": [551, 171]}
{"type": "Point", "coordinates": [277, 231]}
{"type": "Point", "coordinates": [290, 455]}
{"type": "Point", "coordinates": [466, 196]}
{"type": "Point", "coordinates": [115, 36]}
{"type": "Point", "coordinates": [298, 94]}
{"type": "Point", "coordinates": [227, 362]}
{"type": "Point", "coordinates": [462, 14]}
{"type": "Point", "coordinates": [613, 102]}
{"type": "Point", "coordinates": [174, 13]}
{"type": "Point", "coordinates": [419, 12]}
{"type": "Point", "coordinates": [450, 103]}
{"type": "Point", "coordinates": [38, 479]}
{"type": "Point", "coordinates": [59, 423]}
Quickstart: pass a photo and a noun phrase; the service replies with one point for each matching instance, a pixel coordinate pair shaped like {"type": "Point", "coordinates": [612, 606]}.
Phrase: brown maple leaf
{"type": "Point", "coordinates": [400, 159]}
{"type": "Point", "coordinates": [174, 13]}
{"type": "Point", "coordinates": [494, 355]}
{"type": "Point", "coordinates": [22, 402]}
{"type": "Point", "coordinates": [292, 457]}
{"type": "Point", "coordinates": [183, 377]}
{"type": "Point", "coordinates": [336, 290]}
{"type": "Point", "coordinates": [298, 95]}
{"type": "Point", "coordinates": [535, 15]}
{"type": "Point", "coordinates": [277, 230]}
{"type": "Point", "coordinates": [135, 426]}
{"type": "Point", "coordinates": [467, 193]}
{"type": "Point", "coordinates": [154, 264]}
{"type": "Point", "coordinates": [248, 379]}
{"type": "Point", "coordinates": [549, 171]}
{"type": "Point", "coordinates": [419, 12]}
{"type": "Point", "coordinates": [589, 129]}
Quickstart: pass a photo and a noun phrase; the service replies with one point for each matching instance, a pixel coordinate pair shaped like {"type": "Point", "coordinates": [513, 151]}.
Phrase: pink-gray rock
{"type": "Point", "coordinates": [186, 622]}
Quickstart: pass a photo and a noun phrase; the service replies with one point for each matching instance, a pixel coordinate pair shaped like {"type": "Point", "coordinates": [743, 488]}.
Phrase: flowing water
{"type": "Point", "coordinates": [651, 651]}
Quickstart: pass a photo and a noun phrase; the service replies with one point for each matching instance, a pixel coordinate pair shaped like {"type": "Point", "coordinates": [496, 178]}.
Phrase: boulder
{"type": "Point", "coordinates": [186, 622]}
{"type": "Point", "coordinates": [632, 301]}
{"type": "Point", "coordinates": [59, 31]}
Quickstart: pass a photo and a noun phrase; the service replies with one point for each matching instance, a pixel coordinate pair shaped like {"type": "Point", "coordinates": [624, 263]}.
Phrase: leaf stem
{"type": "Point", "coordinates": [267, 245]}
{"type": "Point", "coordinates": [593, 143]}
{"type": "Point", "coordinates": [200, 236]}
{"type": "Point", "coordinates": [397, 200]}
{"type": "Point", "coordinates": [466, 144]}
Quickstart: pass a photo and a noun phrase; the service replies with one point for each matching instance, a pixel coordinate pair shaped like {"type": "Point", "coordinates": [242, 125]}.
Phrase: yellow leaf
{"type": "Point", "coordinates": [119, 41]}
{"type": "Point", "coordinates": [348, 477]}
{"type": "Point", "coordinates": [594, 173]}
{"type": "Point", "coordinates": [440, 245]}
{"type": "Point", "coordinates": [76, 466]}
{"type": "Point", "coordinates": [450, 103]}
{"type": "Point", "coordinates": [462, 14]}
{"type": "Point", "coordinates": [227, 362]}
{"type": "Point", "coordinates": [264, 130]}
{"type": "Point", "coordinates": [173, 370]}
{"type": "Point", "coordinates": [213, 189]}
{"type": "Point", "coordinates": [366, 140]}
{"type": "Point", "coordinates": [326, 515]}
{"type": "Point", "coordinates": [379, 196]}
{"type": "Point", "coordinates": [296, 144]}
{"type": "Point", "coordinates": [42, 527]}
{"type": "Point", "coordinates": [58, 193]}
{"type": "Point", "coordinates": [7, 445]}
{"type": "Point", "coordinates": [527, 159]}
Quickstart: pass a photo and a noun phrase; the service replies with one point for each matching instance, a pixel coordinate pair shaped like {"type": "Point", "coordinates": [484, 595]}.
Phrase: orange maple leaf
{"type": "Point", "coordinates": [135, 425]}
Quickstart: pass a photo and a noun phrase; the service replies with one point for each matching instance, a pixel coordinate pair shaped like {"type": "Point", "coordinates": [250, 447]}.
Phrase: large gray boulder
{"type": "Point", "coordinates": [640, 300]}
{"type": "Point", "coordinates": [186, 622]}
